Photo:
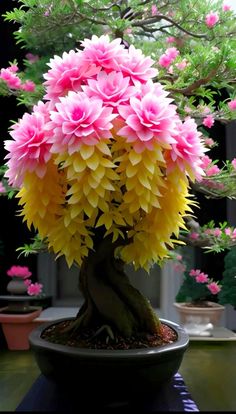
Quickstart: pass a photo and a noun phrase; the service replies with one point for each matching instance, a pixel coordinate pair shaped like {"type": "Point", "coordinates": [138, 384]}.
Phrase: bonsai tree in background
{"type": "Point", "coordinates": [107, 161]}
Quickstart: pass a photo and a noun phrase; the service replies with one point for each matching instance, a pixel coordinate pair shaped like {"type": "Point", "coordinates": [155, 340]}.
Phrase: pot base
{"type": "Point", "coordinates": [111, 373]}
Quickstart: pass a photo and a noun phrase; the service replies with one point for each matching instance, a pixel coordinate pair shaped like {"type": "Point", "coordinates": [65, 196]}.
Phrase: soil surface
{"type": "Point", "coordinates": [103, 337]}
{"type": "Point", "coordinates": [200, 304]}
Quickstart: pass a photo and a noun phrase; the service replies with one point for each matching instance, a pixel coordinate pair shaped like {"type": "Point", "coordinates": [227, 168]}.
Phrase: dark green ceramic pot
{"type": "Point", "coordinates": [114, 373]}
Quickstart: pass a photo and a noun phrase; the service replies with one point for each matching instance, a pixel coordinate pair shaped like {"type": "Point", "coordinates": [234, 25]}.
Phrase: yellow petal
{"type": "Point", "coordinates": [86, 151]}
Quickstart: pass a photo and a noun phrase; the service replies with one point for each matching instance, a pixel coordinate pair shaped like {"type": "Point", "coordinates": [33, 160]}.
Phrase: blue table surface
{"type": "Point", "coordinates": [45, 395]}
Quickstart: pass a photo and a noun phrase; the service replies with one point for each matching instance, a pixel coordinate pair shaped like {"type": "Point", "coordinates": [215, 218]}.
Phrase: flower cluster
{"type": "Point", "coordinates": [213, 237]}
{"type": "Point", "coordinates": [197, 287]}
{"type": "Point", "coordinates": [23, 272]}
{"type": "Point", "coordinates": [105, 148]}
{"type": "Point", "coordinates": [13, 81]}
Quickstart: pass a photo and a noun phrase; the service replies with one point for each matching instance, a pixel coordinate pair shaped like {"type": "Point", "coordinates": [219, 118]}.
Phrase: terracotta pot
{"type": "Point", "coordinates": [112, 374]}
{"type": "Point", "coordinates": [199, 315]}
{"type": "Point", "coordinates": [16, 328]}
{"type": "Point", "coordinates": [16, 286]}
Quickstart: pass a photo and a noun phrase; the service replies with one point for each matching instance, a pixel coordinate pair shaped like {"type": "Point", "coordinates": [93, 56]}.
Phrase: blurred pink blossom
{"type": "Point", "coordinates": [205, 161]}
{"type": "Point", "coordinates": [232, 105]}
{"type": "Point", "coordinates": [2, 188]}
{"type": "Point", "coordinates": [11, 79]}
{"type": "Point", "coordinates": [214, 288]}
{"type": "Point", "coordinates": [19, 271]}
{"type": "Point", "coordinates": [202, 278]}
{"type": "Point", "coordinates": [154, 10]}
{"type": "Point", "coordinates": [170, 39]}
{"type": "Point", "coordinates": [209, 142]}
{"type": "Point", "coordinates": [194, 236]}
{"type": "Point", "coordinates": [28, 86]}
{"type": "Point", "coordinates": [211, 19]}
{"type": "Point", "coordinates": [31, 58]}
{"type": "Point", "coordinates": [13, 68]}
{"type": "Point", "coordinates": [217, 232]}
{"type": "Point", "coordinates": [208, 121]}
{"type": "Point", "coordinates": [234, 163]}
{"type": "Point", "coordinates": [182, 65]}
{"type": "Point", "coordinates": [226, 7]}
{"type": "Point", "coordinates": [213, 170]}
{"type": "Point", "coordinates": [34, 289]}
{"type": "Point", "coordinates": [228, 231]}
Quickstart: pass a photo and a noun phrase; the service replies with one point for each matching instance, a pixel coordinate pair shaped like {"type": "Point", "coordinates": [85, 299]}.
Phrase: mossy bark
{"type": "Point", "coordinates": [109, 297]}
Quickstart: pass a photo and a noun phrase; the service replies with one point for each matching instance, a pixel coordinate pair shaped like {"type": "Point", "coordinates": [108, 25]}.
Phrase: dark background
{"type": "Point", "coordinates": [13, 233]}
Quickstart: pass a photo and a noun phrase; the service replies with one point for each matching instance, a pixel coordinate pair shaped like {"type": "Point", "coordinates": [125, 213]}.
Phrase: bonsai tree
{"type": "Point", "coordinates": [107, 161]}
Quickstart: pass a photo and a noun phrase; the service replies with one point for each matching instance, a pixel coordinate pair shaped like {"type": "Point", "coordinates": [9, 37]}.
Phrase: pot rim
{"type": "Point", "coordinates": [214, 306]}
{"type": "Point", "coordinates": [181, 343]}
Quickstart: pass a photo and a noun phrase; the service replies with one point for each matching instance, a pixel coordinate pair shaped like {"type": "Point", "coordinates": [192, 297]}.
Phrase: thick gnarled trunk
{"type": "Point", "coordinates": [110, 299]}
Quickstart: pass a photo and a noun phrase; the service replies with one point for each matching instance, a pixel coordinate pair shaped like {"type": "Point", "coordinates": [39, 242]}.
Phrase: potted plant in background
{"type": "Point", "coordinates": [105, 160]}
{"type": "Point", "coordinates": [17, 318]}
{"type": "Point", "coordinates": [19, 279]}
{"type": "Point", "coordinates": [197, 300]}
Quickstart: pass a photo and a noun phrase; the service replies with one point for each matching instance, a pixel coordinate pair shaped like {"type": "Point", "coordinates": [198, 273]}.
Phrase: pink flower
{"type": "Point", "coordinates": [113, 89]}
{"type": "Point", "coordinates": [208, 121]}
{"type": "Point", "coordinates": [29, 150]}
{"type": "Point", "coordinates": [34, 289]}
{"type": "Point", "coordinates": [212, 170]}
{"type": "Point", "coordinates": [13, 68]}
{"type": "Point", "coordinates": [2, 188]}
{"type": "Point", "coordinates": [217, 232]}
{"type": "Point", "coordinates": [170, 39]}
{"type": "Point", "coordinates": [19, 271]}
{"type": "Point", "coordinates": [228, 231]}
{"type": "Point", "coordinates": [179, 267]}
{"type": "Point", "coordinates": [234, 163]}
{"type": "Point", "coordinates": [202, 278]}
{"type": "Point", "coordinates": [232, 105]}
{"type": "Point", "coordinates": [205, 161]}
{"type": "Point", "coordinates": [208, 231]}
{"type": "Point", "coordinates": [31, 58]}
{"type": "Point", "coordinates": [137, 66]}
{"type": "Point", "coordinates": [182, 65]}
{"type": "Point", "coordinates": [211, 19]}
{"type": "Point", "coordinates": [209, 142]}
{"type": "Point", "coordinates": [214, 288]}
{"type": "Point", "coordinates": [164, 60]}
{"type": "Point", "coordinates": [226, 7]}
{"type": "Point", "coordinates": [194, 272]}
{"type": "Point", "coordinates": [79, 119]}
{"type": "Point", "coordinates": [103, 53]}
{"type": "Point", "coordinates": [234, 234]}
{"type": "Point", "coordinates": [27, 282]}
{"type": "Point", "coordinates": [28, 86]}
{"type": "Point", "coordinates": [172, 52]}
{"type": "Point", "coordinates": [148, 118]}
{"type": "Point", "coordinates": [168, 57]}
{"type": "Point", "coordinates": [11, 79]}
{"type": "Point", "coordinates": [67, 73]}
{"type": "Point", "coordinates": [194, 236]}
{"type": "Point", "coordinates": [188, 149]}
{"type": "Point", "coordinates": [154, 10]}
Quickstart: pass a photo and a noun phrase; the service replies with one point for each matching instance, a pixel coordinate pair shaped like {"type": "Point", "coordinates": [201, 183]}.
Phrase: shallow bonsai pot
{"type": "Point", "coordinates": [113, 372]}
